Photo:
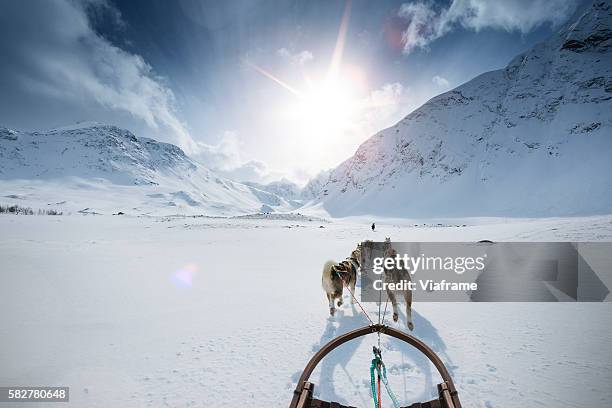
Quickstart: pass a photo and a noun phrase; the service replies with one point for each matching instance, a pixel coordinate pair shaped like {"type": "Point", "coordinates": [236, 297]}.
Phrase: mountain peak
{"type": "Point", "coordinates": [590, 30]}
{"type": "Point", "coordinates": [508, 142]}
{"type": "Point", "coordinates": [149, 174]}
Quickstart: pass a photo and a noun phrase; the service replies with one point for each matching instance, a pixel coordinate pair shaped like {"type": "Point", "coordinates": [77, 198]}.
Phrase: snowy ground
{"type": "Point", "coordinates": [96, 303]}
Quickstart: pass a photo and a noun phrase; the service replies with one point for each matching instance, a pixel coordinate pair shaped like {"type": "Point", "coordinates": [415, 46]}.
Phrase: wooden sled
{"type": "Point", "coordinates": [303, 394]}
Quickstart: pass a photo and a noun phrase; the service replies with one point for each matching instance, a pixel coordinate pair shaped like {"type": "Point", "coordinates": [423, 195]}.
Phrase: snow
{"type": "Point", "coordinates": [283, 188]}
{"type": "Point", "coordinates": [200, 311]}
{"type": "Point", "coordinates": [108, 169]}
{"type": "Point", "coordinates": [207, 292]}
{"type": "Point", "coordinates": [532, 139]}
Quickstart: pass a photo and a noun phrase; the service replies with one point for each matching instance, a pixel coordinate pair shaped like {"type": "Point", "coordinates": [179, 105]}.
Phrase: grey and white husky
{"type": "Point", "coordinates": [338, 274]}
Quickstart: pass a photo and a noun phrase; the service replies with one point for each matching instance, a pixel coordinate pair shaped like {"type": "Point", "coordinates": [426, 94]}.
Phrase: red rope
{"type": "Point", "coordinates": [353, 296]}
{"type": "Point", "coordinates": [379, 393]}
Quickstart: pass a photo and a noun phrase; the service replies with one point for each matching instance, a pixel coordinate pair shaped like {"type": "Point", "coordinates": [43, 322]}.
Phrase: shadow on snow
{"type": "Point", "coordinates": [335, 363]}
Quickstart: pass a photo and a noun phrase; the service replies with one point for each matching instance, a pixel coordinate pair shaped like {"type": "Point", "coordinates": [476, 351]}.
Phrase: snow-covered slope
{"type": "Point", "coordinates": [315, 185]}
{"type": "Point", "coordinates": [532, 139]}
{"type": "Point", "coordinates": [104, 168]}
{"type": "Point", "coordinates": [283, 188]}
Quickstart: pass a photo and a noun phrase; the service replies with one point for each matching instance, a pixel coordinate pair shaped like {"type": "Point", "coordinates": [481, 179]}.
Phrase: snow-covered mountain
{"type": "Point", "coordinates": [315, 186]}
{"type": "Point", "coordinates": [282, 188]}
{"type": "Point", "coordinates": [103, 168]}
{"type": "Point", "coordinates": [532, 139]}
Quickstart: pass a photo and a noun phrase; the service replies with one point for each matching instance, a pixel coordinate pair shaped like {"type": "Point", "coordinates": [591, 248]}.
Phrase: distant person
{"type": "Point", "coordinates": [373, 226]}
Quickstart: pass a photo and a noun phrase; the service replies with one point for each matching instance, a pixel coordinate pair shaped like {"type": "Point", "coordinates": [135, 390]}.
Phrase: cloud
{"type": "Point", "coordinates": [53, 56]}
{"type": "Point", "coordinates": [298, 59]}
{"type": "Point", "coordinates": [389, 104]}
{"type": "Point", "coordinates": [226, 158]}
{"type": "Point", "coordinates": [252, 170]}
{"type": "Point", "coordinates": [383, 107]}
{"type": "Point", "coordinates": [427, 22]}
{"type": "Point", "coordinates": [440, 81]}
{"type": "Point", "coordinates": [424, 25]}
{"type": "Point", "coordinates": [383, 104]}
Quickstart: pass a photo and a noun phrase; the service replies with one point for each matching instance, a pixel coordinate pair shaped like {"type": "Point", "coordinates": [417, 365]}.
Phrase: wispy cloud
{"type": "Point", "coordinates": [56, 54]}
{"type": "Point", "coordinates": [427, 21]}
{"type": "Point", "coordinates": [383, 103]}
{"type": "Point", "coordinates": [225, 154]}
{"type": "Point", "coordinates": [226, 157]}
{"type": "Point", "coordinates": [385, 106]}
{"type": "Point", "coordinates": [440, 81]}
{"type": "Point", "coordinates": [296, 59]}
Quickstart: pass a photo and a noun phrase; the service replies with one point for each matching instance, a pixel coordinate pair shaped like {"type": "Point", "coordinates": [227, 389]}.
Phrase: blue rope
{"type": "Point", "coordinates": [377, 363]}
{"type": "Point", "coordinates": [372, 383]}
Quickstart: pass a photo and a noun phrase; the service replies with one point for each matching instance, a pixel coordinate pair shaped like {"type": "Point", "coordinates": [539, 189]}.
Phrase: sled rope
{"type": "Point", "coordinates": [379, 303]}
{"type": "Point", "coordinates": [377, 362]}
{"type": "Point", "coordinates": [385, 312]}
{"type": "Point", "coordinates": [381, 371]}
{"type": "Point", "coordinates": [379, 393]}
{"type": "Point", "coordinates": [354, 298]}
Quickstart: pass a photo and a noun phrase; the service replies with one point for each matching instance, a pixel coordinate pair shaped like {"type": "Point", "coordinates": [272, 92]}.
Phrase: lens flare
{"type": "Point", "coordinates": [183, 278]}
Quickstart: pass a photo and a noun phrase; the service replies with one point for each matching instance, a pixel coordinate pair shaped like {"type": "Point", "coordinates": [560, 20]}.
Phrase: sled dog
{"type": "Point", "coordinates": [338, 274]}
{"type": "Point", "coordinates": [397, 275]}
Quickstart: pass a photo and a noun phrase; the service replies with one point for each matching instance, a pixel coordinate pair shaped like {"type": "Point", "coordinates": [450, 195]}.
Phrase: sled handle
{"type": "Point", "coordinates": [377, 328]}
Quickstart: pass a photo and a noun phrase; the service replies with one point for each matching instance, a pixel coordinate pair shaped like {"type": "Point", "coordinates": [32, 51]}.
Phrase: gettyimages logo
{"type": "Point", "coordinates": [487, 271]}
{"type": "Point", "coordinates": [414, 264]}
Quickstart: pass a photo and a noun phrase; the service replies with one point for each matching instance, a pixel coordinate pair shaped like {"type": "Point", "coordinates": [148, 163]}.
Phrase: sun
{"type": "Point", "coordinates": [324, 109]}
{"type": "Point", "coordinates": [321, 107]}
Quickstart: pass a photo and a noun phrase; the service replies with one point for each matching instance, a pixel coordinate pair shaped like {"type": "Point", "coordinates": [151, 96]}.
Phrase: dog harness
{"type": "Point", "coordinates": [350, 265]}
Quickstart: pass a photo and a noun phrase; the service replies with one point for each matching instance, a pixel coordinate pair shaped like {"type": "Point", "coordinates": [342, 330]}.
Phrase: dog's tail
{"type": "Point", "coordinates": [326, 278]}
{"type": "Point", "coordinates": [327, 268]}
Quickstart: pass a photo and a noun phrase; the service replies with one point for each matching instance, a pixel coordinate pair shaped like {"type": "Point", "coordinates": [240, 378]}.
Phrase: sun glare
{"type": "Point", "coordinates": [324, 109]}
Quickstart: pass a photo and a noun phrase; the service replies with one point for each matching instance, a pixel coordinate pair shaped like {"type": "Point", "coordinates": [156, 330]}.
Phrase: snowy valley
{"type": "Point", "coordinates": [180, 312]}
{"type": "Point", "coordinates": [207, 291]}
{"type": "Point", "coordinates": [532, 139]}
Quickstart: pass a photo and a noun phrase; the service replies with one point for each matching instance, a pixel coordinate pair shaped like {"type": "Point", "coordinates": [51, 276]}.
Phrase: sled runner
{"type": "Point", "coordinates": [447, 394]}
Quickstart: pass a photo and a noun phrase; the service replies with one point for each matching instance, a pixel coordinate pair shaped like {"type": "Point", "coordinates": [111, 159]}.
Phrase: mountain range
{"type": "Point", "coordinates": [531, 139]}
{"type": "Point", "coordinates": [91, 167]}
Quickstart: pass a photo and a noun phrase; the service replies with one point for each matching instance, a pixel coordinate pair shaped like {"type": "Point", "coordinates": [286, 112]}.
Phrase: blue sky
{"type": "Point", "coordinates": [249, 87]}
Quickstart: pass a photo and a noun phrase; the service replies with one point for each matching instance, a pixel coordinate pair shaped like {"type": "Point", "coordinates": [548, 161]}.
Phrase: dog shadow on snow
{"type": "Point", "coordinates": [411, 359]}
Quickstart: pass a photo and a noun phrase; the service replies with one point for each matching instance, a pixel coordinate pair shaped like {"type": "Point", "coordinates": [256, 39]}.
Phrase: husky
{"type": "Point", "coordinates": [396, 275]}
{"type": "Point", "coordinates": [338, 274]}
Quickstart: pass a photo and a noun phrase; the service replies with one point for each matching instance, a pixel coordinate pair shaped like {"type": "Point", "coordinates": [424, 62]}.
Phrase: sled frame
{"type": "Point", "coordinates": [448, 395]}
